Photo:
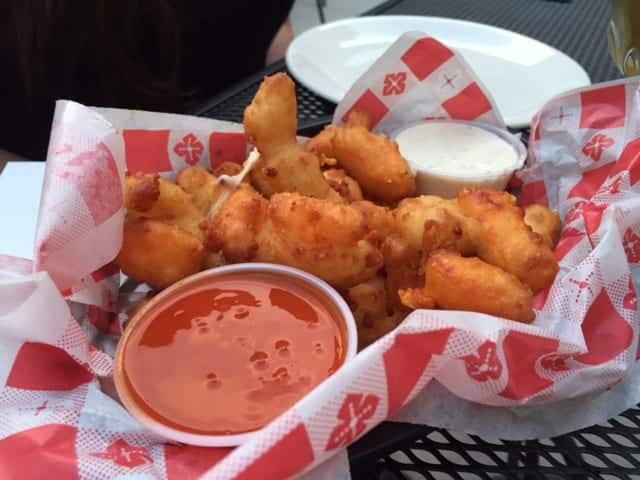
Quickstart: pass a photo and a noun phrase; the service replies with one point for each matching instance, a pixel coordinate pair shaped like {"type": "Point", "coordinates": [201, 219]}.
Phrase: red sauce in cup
{"type": "Point", "coordinates": [231, 353]}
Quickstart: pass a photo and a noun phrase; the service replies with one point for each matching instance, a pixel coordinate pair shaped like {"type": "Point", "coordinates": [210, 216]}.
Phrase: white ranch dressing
{"type": "Point", "coordinates": [456, 149]}
{"type": "Point", "coordinates": [449, 156]}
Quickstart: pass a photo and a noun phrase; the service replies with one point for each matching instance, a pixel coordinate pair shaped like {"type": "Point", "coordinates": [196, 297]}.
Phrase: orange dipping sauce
{"type": "Point", "coordinates": [231, 353]}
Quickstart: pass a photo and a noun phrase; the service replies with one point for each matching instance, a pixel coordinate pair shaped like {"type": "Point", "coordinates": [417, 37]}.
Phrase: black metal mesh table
{"type": "Point", "coordinates": [398, 451]}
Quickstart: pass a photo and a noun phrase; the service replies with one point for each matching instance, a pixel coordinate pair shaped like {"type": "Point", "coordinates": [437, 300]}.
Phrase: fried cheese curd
{"type": "Point", "coordinates": [159, 253]}
{"type": "Point", "coordinates": [372, 160]}
{"type": "Point", "coordinates": [271, 124]}
{"type": "Point", "coordinates": [453, 282]}
{"type": "Point", "coordinates": [162, 234]}
{"type": "Point", "coordinates": [506, 241]}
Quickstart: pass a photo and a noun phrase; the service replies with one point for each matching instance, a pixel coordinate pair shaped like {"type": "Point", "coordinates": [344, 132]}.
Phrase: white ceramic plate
{"type": "Point", "coordinates": [521, 73]}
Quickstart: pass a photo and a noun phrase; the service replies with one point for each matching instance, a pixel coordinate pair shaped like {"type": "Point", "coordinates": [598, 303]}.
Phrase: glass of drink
{"type": "Point", "coordinates": [624, 36]}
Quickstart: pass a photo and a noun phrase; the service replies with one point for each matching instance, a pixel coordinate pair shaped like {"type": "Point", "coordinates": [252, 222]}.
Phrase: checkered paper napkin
{"type": "Point", "coordinates": [59, 314]}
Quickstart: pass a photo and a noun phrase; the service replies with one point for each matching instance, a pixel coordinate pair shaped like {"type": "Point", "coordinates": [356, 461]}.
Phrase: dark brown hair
{"type": "Point", "coordinates": [128, 50]}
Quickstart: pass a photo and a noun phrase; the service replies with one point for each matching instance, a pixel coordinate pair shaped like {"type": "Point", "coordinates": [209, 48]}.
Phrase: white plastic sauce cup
{"type": "Point", "coordinates": [448, 156]}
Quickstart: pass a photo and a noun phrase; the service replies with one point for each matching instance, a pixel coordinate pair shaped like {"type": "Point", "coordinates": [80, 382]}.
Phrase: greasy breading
{"type": "Point", "coordinates": [506, 241]}
{"type": "Point", "coordinates": [410, 216]}
{"type": "Point", "coordinates": [370, 330]}
{"type": "Point", "coordinates": [270, 122]}
{"type": "Point", "coordinates": [369, 299]}
{"type": "Point", "coordinates": [429, 222]}
{"type": "Point", "coordinates": [142, 191]}
{"type": "Point", "coordinates": [291, 169]}
{"type": "Point", "coordinates": [374, 315]}
{"type": "Point", "coordinates": [201, 185]}
{"type": "Point", "coordinates": [214, 259]}
{"type": "Point", "coordinates": [227, 168]}
{"type": "Point", "coordinates": [544, 222]}
{"type": "Point", "coordinates": [403, 267]}
{"type": "Point", "coordinates": [321, 237]}
{"type": "Point", "coordinates": [316, 222]}
{"type": "Point", "coordinates": [375, 162]}
{"type": "Point", "coordinates": [235, 228]}
{"type": "Point", "coordinates": [441, 232]}
{"type": "Point", "coordinates": [372, 160]}
{"type": "Point", "coordinates": [149, 196]}
{"type": "Point", "coordinates": [322, 143]}
{"type": "Point", "coordinates": [342, 183]}
{"type": "Point", "coordinates": [159, 254]}
{"type": "Point", "coordinates": [204, 186]}
{"type": "Point", "coordinates": [378, 219]}
{"type": "Point", "coordinates": [454, 282]}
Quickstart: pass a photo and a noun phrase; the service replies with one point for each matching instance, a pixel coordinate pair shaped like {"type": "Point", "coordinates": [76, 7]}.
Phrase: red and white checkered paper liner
{"type": "Point", "coordinates": [57, 323]}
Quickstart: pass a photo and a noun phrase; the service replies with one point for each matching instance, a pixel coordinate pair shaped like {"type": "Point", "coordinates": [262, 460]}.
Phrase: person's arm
{"type": "Point", "coordinates": [280, 42]}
